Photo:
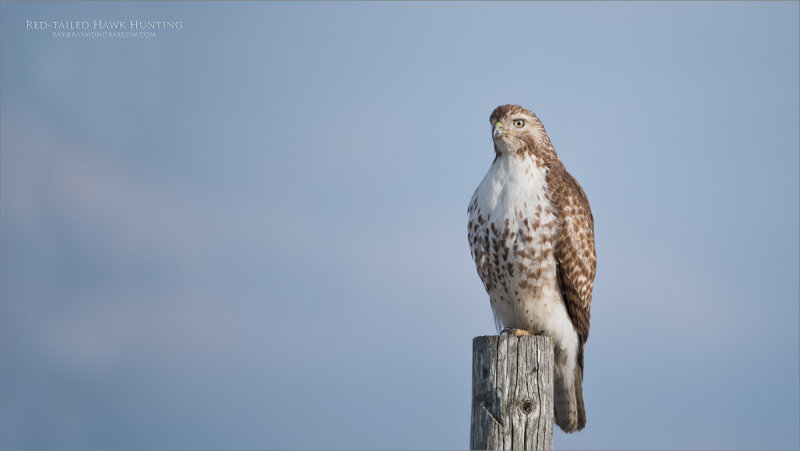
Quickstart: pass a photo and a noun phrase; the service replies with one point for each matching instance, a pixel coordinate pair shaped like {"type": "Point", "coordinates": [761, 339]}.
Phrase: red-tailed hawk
{"type": "Point", "coordinates": [531, 233]}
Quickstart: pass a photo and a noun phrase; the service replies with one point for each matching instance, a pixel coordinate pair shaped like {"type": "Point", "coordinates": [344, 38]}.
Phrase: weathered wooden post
{"type": "Point", "coordinates": [512, 392]}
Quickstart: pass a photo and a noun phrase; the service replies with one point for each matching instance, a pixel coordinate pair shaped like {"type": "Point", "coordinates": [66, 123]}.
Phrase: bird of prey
{"type": "Point", "coordinates": [531, 234]}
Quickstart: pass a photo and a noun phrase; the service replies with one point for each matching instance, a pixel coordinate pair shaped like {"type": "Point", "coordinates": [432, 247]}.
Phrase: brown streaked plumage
{"type": "Point", "coordinates": [531, 233]}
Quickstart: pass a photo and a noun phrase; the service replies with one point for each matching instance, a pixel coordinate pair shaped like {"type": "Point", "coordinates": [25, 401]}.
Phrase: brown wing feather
{"type": "Point", "coordinates": [575, 251]}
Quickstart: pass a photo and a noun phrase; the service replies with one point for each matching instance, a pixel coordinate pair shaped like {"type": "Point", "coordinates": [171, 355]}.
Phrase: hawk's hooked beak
{"type": "Point", "coordinates": [498, 130]}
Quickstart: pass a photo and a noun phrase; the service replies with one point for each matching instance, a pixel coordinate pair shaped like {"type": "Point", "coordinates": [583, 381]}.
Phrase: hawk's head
{"type": "Point", "coordinates": [516, 129]}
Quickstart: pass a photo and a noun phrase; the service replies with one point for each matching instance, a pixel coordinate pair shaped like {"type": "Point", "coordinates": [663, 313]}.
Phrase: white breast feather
{"type": "Point", "coordinates": [513, 189]}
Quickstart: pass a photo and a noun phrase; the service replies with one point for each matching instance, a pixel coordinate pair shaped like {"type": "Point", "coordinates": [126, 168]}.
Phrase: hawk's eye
{"type": "Point", "coordinates": [519, 123]}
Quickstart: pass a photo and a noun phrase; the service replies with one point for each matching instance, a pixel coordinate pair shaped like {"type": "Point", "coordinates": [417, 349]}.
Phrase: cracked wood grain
{"type": "Point", "coordinates": [512, 392]}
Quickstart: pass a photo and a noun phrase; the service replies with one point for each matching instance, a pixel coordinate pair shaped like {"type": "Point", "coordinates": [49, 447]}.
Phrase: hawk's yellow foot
{"type": "Point", "coordinates": [512, 332]}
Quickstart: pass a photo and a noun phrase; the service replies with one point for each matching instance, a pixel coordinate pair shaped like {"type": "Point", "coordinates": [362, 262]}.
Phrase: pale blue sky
{"type": "Point", "coordinates": [251, 232]}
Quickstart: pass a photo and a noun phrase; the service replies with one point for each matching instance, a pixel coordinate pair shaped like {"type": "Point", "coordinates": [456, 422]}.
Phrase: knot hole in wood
{"type": "Point", "coordinates": [526, 406]}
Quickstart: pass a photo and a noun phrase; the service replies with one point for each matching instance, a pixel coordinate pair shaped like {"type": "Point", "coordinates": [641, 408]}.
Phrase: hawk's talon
{"type": "Point", "coordinates": [514, 332]}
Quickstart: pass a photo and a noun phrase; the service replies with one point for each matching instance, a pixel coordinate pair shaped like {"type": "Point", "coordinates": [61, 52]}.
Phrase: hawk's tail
{"type": "Point", "coordinates": [569, 410]}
